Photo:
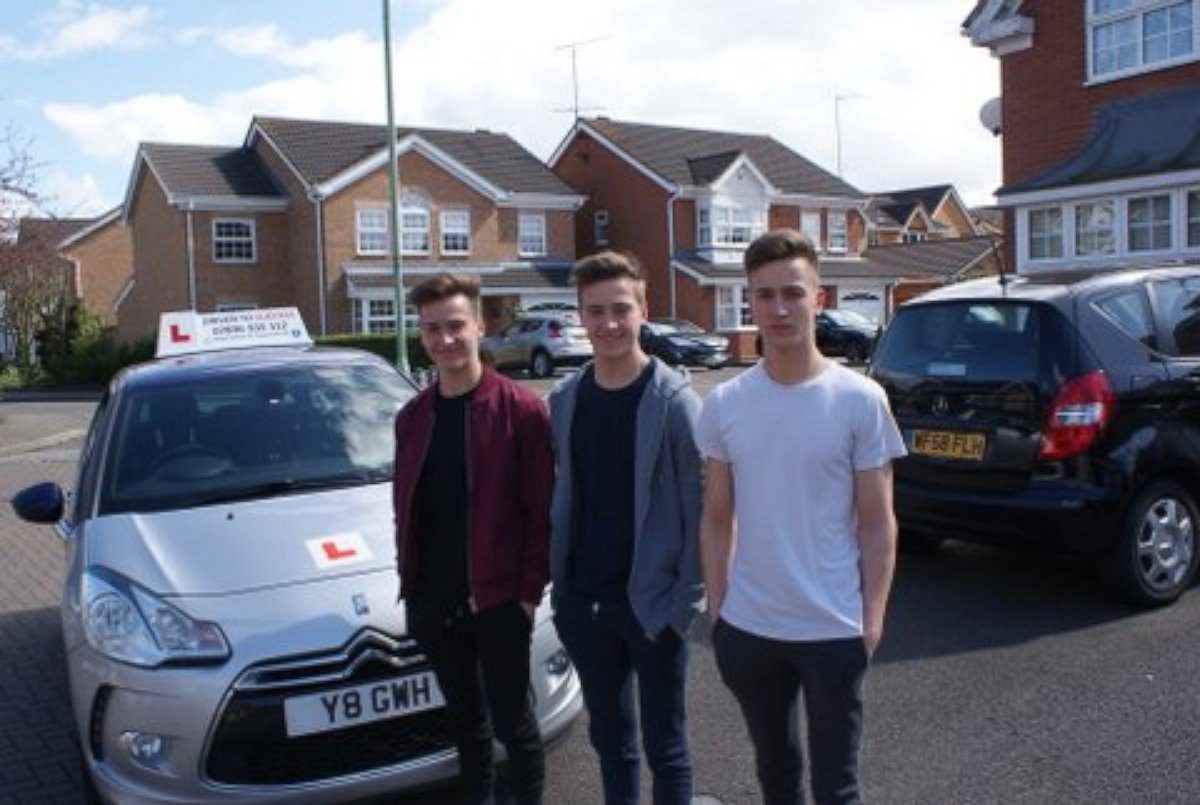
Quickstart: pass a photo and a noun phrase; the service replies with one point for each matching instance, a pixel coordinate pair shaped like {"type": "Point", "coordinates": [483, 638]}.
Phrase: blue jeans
{"type": "Point", "coordinates": [609, 649]}
{"type": "Point", "coordinates": [768, 677]}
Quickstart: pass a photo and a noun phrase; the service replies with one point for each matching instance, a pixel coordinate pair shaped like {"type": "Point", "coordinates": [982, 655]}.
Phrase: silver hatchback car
{"type": "Point", "coordinates": [230, 608]}
{"type": "Point", "coordinates": [539, 342]}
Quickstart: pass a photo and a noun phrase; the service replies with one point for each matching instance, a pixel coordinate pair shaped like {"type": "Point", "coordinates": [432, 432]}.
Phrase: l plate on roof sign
{"type": "Point", "coordinates": [184, 332]}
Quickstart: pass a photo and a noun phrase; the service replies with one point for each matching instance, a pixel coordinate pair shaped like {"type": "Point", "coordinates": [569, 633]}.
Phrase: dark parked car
{"type": "Point", "coordinates": [678, 341]}
{"type": "Point", "coordinates": [845, 333]}
{"type": "Point", "coordinates": [1059, 412]}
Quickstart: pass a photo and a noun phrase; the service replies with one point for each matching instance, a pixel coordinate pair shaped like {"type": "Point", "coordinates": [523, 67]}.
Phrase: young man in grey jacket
{"type": "Point", "coordinates": [624, 555]}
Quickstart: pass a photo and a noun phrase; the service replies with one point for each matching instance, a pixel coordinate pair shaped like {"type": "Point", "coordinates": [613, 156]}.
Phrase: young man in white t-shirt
{"type": "Point", "coordinates": [798, 452]}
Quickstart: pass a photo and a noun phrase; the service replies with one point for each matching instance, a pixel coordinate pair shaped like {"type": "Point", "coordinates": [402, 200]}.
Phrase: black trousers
{"type": "Point", "coordinates": [767, 677]}
{"type": "Point", "coordinates": [484, 657]}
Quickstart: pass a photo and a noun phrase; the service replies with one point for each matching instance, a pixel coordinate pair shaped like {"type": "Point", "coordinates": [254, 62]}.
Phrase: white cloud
{"type": "Point", "coordinates": [73, 196]}
{"type": "Point", "coordinates": [67, 33]}
{"type": "Point", "coordinates": [752, 66]}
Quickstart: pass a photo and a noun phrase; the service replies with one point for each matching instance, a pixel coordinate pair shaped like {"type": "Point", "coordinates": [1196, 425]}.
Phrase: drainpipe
{"type": "Point", "coordinates": [671, 244]}
{"type": "Point", "coordinates": [191, 255]}
{"type": "Point", "coordinates": [317, 199]}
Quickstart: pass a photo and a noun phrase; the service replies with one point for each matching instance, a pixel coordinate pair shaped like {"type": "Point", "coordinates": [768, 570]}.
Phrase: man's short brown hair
{"type": "Point", "coordinates": [608, 265]}
{"type": "Point", "coordinates": [443, 286]}
{"type": "Point", "coordinates": [780, 244]}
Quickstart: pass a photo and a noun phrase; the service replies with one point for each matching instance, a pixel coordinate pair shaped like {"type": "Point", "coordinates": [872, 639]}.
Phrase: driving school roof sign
{"type": "Point", "coordinates": [184, 332]}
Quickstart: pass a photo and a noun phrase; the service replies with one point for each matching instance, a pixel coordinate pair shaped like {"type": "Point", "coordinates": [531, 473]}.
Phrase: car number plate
{"type": "Point", "coordinates": [949, 444]}
{"type": "Point", "coordinates": [362, 704]}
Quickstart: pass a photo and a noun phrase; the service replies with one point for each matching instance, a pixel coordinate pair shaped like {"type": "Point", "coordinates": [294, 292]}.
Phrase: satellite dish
{"type": "Point", "coordinates": [989, 116]}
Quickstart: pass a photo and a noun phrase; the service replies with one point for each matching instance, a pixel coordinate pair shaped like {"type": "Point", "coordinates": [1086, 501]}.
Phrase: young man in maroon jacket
{"type": "Point", "coordinates": [473, 478]}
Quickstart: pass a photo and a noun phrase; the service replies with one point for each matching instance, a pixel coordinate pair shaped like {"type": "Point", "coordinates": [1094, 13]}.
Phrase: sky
{"type": "Point", "coordinates": [82, 83]}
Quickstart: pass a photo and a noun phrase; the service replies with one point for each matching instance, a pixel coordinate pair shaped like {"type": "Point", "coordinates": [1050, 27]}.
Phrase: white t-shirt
{"type": "Point", "coordinates": [793, 451]}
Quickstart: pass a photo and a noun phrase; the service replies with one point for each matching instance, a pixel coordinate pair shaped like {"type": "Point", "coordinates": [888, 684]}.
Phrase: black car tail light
{"type": "Point", "coordinates": [1080, 411]}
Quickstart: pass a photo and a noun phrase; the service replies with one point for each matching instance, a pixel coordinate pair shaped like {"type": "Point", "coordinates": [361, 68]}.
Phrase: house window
{"type": "Point", "coordinates": [1193, 219]}
{"type": "Point", "coordinates": [810, 224]}
{"type": "Point", "coordinates": [531, 235]}
{"type": "Point", "coordinates": [456, 232]}
{"type": "Point", "coordinates": [234, 241]}
{"type": "Point", "coordinates": [600, 227]}
{"type": "Point", "coordinates": [373, 230]}
{"type": "Point", "coordinates": [379, 316]}
{"type": "Point", "coordinates": [729, 225]}
{"type": "Point", "coordinates": [837, 232]}
{"type": "Point", "coordinates": [414, 225]}
{"type": "Point", "coordinates": [1150, 223]}
{"type": "Point", "coordinates": [1045, 234]}
{"type": "Point", "coordinates": [1133, 35]}
{"type": "Point", "coordinates": [733, 307]}
{"type": "Point", "coordinates": [1095, 229]}
{"type": "Point", "coordinates": [913, 237]}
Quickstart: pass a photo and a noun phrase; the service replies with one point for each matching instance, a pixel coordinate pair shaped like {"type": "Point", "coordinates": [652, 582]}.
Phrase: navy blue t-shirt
{"type": "Point", "coordinates": [603, 438]}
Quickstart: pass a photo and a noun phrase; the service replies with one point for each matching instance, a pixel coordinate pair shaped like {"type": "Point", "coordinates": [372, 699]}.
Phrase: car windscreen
{"type": "Point", "coordinates": [1007, 341]}
{"type": "Point", "coordinates": [848, 318]}
{"type": "Point", "coordinates": [235, 436]}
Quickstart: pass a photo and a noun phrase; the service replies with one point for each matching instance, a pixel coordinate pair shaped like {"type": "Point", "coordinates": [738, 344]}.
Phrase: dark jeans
{"type": "Point", "coordinates": [767, 677]}
{"type": "Point", "coordinates": [609, 647]}
{"type": "Point", "coordinates": [478, 655]}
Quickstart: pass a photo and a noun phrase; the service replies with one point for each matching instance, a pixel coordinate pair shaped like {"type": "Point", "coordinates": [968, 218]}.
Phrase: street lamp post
{"type": "Point", "coordinates": [394, 195]}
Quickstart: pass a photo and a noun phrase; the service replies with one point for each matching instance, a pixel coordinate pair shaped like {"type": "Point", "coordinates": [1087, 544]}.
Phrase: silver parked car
{"type": "Point", "coordinates": [539, 342]}
{"type": "Point", "coordinates": [230, 610]}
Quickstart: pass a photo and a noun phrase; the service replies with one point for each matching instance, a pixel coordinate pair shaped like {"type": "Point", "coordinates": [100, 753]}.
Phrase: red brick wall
{"type": "Point", "coordinates": [160, 262]}
{"type": "Point", "coordinates": [1046, 109]}
{"type": "Point", "coordinates": [637, 212]}
{"type": "Point", "coordinates": [267, 282]}
{"type": "Point", "coordinates": [105, 259]}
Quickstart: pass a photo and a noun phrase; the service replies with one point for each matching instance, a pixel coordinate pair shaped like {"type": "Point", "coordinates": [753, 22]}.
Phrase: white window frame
{"type": "Point", "coordinates": [531, 234]}
{"type": "Point", "coordinates": [726, 224]}
{"type": "Point", "coordinates": [415, 235]}
{"type": "Point", "coordinates": [810, 224]}
{"type": "Point", "coordinates": [1049, 236]}
{"type": "Point", "coordinates": [600, 223]}
{"type": "Point", "coordinates": [839, 232]}
{"type": "Point", "coordinates": [250, 239]}
{"type": "Point", "coordinates": [1191, 217]}
{"type": "Point", "coordinates": [457, 224]}
{"type": "Point", "coordinates": [1089, 234]}
{"type": "Point", "coordinates": [1151, 225]}
{"type": "Point", "coordinates": [1135, 12]}
{"type": "Point", "coordinates": [365, 234]}
{"type": "Point", "coordinates": [733, 311]}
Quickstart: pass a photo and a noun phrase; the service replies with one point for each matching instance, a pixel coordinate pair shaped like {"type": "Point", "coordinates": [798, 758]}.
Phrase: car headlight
{"type": "Point", "coordinates": [127, 623]}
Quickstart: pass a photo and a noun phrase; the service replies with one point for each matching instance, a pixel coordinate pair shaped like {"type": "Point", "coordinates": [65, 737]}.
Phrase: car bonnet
{"type": "Point", "coordinates": [250, 545]}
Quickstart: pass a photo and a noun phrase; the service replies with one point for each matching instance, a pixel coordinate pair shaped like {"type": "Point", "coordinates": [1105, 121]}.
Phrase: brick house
{"type": "Point", "coordinates": [688, 201]}
{"type": "Point", "coordinates": [299, 215]}
{"type": "Point", "coordinates": [918, 214]}
{"type": "Point", "coordinates": [1100, 120]}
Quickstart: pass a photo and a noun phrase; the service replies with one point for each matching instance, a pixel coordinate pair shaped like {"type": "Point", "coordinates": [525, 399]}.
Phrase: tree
{"type": "Point", "coordinates": [32, 279]}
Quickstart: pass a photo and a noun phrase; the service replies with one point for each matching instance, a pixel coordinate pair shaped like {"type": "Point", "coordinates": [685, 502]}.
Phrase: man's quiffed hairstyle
{"type": "Point", "coordinates": [780, 244]}
{"type": "Point", "coordinates": [443, 286]}
{"type": "Point", "coordinates": [608, 265]}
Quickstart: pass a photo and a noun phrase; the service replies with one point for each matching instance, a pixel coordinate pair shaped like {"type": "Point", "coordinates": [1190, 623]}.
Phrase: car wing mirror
{"type": "Point", "coordinates": [40, 503]}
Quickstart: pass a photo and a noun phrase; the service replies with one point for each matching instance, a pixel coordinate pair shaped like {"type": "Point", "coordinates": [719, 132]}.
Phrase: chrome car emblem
{"type": "Point", "coordinates": [940, 407]}
{"type": "Point", "coordinates": [361, 607]}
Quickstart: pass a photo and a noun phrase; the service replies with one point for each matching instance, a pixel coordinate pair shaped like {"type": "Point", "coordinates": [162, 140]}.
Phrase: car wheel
{"type": "Point", "coordinates": [540, 365]}
{"type": "Point", "coordinates": [1154, 558]}
{"type": "Point", "coordinates": [918, 543]}
{"type": "Point", "coordinates": [855, 352]}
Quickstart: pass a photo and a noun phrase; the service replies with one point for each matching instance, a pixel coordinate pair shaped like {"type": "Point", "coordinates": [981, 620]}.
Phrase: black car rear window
{"type": "Point", "coordinates": [975, 340]}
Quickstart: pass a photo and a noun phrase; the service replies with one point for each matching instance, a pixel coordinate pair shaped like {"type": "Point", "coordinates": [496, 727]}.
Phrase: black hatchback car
{"type": "Point", "coordinates": [1059, 412]}
{"type": "Point", "coordinates": [845, 333]}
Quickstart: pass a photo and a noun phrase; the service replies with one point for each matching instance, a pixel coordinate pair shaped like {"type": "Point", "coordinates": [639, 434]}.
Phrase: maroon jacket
{"type": "Point", "coordinates": [510, 477]}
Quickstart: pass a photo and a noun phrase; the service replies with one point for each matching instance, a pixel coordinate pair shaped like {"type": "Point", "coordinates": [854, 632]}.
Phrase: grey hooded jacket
{"type": "Point", "coordinates": [665, 586]}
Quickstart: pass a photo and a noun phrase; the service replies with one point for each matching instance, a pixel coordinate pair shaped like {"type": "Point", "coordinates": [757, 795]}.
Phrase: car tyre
{"type": "Point", "coordinates": [855, 352]}
{"type": "Point", "coordinates": [1154, 559]}
{"type": "Point", "coordinates": [918, 543]}
{"type": "Point", "coordinates": [540, 364]}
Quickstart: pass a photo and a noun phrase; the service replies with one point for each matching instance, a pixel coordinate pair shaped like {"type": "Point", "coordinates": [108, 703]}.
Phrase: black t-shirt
{"type": "Point", "coordinates": [603, 438]}
{"type": "Point", "coordinates": [441, 512]}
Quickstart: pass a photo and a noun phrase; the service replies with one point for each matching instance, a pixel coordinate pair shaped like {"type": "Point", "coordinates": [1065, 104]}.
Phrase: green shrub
{"type": "Point", "coordinates": [382, 344]}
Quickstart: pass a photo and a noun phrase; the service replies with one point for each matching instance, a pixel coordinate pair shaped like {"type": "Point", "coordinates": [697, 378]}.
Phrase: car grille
{"type": "Point", "coordinates": [250, 745]}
